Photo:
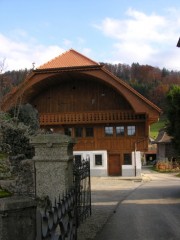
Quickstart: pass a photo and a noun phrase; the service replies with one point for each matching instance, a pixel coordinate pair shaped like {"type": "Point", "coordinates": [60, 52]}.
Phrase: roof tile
{"type": "Point", "coordinates": [163, 137]}
{"type": "Point", "coordinates": [70, 58]}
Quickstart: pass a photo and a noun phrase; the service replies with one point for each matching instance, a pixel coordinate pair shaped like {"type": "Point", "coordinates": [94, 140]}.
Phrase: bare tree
{"type": "Point", "coordinates": [2, 69]}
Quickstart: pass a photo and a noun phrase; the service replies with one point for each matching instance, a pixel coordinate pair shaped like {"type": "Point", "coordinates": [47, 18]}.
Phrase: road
{"type": "Point", "coordinates": [149, 212]}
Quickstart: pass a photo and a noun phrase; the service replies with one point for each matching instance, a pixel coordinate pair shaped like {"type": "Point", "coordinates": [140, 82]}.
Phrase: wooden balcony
{"type": "Point", "coordinates": [89, 117]}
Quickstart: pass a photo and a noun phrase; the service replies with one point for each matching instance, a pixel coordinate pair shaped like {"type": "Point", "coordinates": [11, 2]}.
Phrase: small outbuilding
{"type": "Point", "coordinates": [165, 150]}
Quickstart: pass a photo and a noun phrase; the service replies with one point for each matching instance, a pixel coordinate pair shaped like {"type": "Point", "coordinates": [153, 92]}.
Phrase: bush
{"type": "Point", "coordinates": [18, 141]}
{"type": "Point", "coordinates": [27, 115]}
{"type": "Point", "coordinates": [14, 135]}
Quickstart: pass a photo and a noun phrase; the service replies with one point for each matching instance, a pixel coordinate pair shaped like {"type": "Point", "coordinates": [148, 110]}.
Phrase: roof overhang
{"type": "Point", "coordinates": [41, 78]}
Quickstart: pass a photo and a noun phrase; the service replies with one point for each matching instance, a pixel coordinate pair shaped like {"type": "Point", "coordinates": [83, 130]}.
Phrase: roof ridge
{"type": "Point", "coordinates": [71, 49]}
{"type": "Point", "coordinates": [68, 58]}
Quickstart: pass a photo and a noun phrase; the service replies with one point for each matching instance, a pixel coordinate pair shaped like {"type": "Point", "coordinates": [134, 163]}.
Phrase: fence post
{"type": "Point", "coordinates": [53, 164]}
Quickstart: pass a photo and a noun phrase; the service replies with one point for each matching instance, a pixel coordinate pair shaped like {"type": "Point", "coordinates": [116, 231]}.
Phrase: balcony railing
{"type": "Point", "coordinates": [89, 117]}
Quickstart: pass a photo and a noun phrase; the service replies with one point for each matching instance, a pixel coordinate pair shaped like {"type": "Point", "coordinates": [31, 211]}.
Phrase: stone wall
{"type": "Point", "coordinates": [17, 218]}
{"type": "Point", "coordinates": [49, 174]}
{"type": "Point", "coordinates": [20, 180]}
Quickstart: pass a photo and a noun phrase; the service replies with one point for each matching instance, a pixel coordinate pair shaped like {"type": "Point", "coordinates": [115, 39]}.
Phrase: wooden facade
{"type": "Point", "coordinates": [77, 96]}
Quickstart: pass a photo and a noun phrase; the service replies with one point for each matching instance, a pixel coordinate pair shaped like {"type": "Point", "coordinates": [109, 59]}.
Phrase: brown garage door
{"type": "Point", "coordinates": [114, 165]}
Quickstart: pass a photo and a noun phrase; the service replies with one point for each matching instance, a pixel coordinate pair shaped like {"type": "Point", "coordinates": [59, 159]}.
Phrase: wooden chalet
{"type": "Point", "coordinates": [81, 98]}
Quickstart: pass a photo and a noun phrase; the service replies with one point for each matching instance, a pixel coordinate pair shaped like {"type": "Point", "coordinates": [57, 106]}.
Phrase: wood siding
{"type": "Point", "coordinates": [113, 144]}
{"type": "Point", "coordinates": [79, 95]}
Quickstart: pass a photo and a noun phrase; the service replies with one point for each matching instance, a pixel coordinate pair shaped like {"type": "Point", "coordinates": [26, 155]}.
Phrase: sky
{"type": "Point", "coordinates": [111, 31]}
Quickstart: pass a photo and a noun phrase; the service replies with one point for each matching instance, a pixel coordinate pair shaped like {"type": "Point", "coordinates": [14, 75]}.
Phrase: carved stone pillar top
{"type": "Point", "coordinates": [51, 138]}
{"type": "Point", "coordinates": [52, 146]}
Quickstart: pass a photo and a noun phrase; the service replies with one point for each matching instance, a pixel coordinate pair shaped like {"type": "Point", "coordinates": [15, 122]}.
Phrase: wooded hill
{"type": "Point", "coordinates": [151, 82]}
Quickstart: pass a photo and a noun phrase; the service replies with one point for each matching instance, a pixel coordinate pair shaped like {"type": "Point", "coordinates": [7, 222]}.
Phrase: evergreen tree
{"type": "Point", "coordinates": [173, 115]}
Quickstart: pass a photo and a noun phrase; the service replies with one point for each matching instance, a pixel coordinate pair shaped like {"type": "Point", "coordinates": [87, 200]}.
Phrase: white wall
{"type": "Point", "coordinates": [96, 170]}
{"type": "Point", "coordinates": [101, 171]}
{"type": "Point", "coordinates": [135, 168]}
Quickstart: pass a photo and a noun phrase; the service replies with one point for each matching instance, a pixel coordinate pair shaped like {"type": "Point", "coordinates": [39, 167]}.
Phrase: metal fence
{"type": "Point", "coordinates": [60, 221]}
{"type": "Point", "coordinates": [82, 183]}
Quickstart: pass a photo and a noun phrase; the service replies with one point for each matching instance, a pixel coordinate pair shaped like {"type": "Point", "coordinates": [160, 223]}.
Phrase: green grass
{"type": "Point", "coordinates": [154, 128]}
{"type": "Point", "coordinates": [4, 193]}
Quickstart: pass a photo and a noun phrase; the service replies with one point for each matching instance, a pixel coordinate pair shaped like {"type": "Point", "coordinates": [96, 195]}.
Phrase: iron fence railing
{"type": "Point", "coordinates": [61, 220]}
{"type": "Point", "coordinates": [81, 172]}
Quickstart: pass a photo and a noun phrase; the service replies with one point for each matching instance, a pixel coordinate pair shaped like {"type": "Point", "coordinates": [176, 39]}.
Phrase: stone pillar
{"type": "Point", "coordinates": [17, 218]}
{"type": "Point", "coordinates": [53, 164]}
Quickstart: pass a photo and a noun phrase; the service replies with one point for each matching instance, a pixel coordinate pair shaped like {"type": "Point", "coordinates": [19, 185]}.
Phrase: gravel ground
{"type": "Point", "coordinates": [106, 194]}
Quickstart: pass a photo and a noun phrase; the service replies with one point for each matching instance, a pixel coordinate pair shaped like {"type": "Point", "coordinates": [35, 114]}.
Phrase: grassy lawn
{"type": "Point", "coordinates": [154, 128]}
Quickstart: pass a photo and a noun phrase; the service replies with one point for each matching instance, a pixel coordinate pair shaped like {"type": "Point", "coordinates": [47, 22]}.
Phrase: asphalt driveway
{"type": "Point", "coordinates": [132, 209]}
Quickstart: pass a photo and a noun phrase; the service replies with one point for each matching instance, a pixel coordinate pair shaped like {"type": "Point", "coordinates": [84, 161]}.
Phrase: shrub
{"type": "Point", "coordinates": [15, 133]}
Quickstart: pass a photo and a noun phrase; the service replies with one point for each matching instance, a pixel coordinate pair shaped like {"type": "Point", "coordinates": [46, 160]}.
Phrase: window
{"type": "Point", "coordinates": [89, 132]}
{"type": "Point", "coordinates": [127, 159]}
{"type": "Point", "coordinates": [120, 131]}
{"type": "Point", "coordinates": [68, 131]}
{"type": "Point", "coordinates": [98, 160]}
{"type": "Point", "coordinates": [109, 131]}
{"type": "Point", "coordinates": [78, 158]}
{"type": "Point", "coordinates": [78, 132]}
{"type": "Point", "coordinates": [131, 130]}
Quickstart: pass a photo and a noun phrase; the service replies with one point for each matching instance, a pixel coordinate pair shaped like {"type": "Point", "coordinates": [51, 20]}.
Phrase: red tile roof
{"type": "Point", "coordinates": [70, 58]}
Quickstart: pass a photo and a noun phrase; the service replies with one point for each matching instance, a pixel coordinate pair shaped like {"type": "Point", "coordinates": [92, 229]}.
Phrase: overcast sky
{"type": "Point", "coordinates": [114, 31]}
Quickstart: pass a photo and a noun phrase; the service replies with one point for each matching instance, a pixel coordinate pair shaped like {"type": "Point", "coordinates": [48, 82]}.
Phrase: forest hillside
{"type": "Point", "coordinates": [152, 82]}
